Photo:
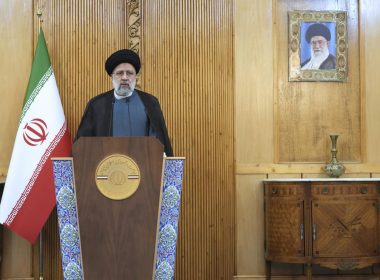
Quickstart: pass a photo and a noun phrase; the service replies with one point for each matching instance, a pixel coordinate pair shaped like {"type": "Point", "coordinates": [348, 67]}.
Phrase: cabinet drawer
{"type": "Point", "coordinates": [283, 189]}
{"type": "Point", "coordinates": [344, 189]}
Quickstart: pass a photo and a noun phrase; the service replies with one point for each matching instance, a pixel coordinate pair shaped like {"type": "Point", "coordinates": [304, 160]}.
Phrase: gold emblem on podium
{"type": "Point", "coordinates": [117, 177]}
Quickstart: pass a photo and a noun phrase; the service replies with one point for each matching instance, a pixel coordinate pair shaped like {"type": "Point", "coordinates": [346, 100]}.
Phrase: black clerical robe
{"type": "Point", "coordinates": [97, 117]}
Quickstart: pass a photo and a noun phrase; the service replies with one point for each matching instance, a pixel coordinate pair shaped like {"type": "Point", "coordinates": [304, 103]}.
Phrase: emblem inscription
{"type": "Point", "coordinates": [117, 177]}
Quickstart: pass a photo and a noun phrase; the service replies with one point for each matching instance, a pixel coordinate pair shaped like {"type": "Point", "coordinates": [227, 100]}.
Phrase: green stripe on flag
{"type": "Point", "coordinates": [35, 92]}
{"type": "Point", "coordinates": [41, 71]}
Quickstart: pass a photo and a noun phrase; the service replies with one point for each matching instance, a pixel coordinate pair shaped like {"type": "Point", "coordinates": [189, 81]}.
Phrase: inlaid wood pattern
{"type": "Point", "coordinates": [345, 228]}
{"type": "Point", "coordinates": [291, 190]}
{"type": "Point", "coordinates": [340, 229]}
{"type": "Point", "coordinates": [362, 189]}
{"type": "Point", "coordinates": [286, 218]}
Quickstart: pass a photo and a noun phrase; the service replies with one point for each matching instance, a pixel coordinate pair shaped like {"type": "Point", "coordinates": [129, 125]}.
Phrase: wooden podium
{"type": "Point", "coordinates": [118, 238]}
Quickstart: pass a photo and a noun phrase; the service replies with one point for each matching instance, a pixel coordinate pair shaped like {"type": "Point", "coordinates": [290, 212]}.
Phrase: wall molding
{"type": "Point", "coordinates": [296, 168]}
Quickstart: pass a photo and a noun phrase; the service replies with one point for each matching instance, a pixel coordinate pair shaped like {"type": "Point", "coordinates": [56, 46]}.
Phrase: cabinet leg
{"type": "Point", "coordinates": [268, 270]}
{"type": "Point", "coordinates": [309, 271]}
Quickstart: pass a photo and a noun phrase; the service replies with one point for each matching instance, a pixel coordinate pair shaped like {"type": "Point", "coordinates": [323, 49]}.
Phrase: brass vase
{"type": "Point", "coordinates": [334, 169]}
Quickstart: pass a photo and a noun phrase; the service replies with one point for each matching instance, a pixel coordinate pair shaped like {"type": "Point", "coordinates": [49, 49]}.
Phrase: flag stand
{"type": "Point", "coordinates": [41, 257]}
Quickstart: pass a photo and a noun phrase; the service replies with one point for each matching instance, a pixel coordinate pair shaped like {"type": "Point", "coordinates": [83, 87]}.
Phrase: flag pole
{"type": "Point", "coordinates": [41, 259]}
{"type": "Point", "coordinates": [41, 247]}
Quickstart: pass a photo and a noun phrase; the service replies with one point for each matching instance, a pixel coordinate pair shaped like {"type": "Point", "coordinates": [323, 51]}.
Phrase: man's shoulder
{"type": "Point", "coordinates": [145, 95]}
{"type": "Point", "coordinates": [331, 57]}
{"type": "Point", "coordinates": [102, 97]}
{"type": "Point", "coordinates": [329, 63]}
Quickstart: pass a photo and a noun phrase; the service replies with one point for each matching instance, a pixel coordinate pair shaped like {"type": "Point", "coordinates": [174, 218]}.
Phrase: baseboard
{"type": "Point", "coordinates": [17, 278]}
{"type": "Point", "coordinates": [249, 277]}
{"type": "Point", "coordinates": [302, 277]}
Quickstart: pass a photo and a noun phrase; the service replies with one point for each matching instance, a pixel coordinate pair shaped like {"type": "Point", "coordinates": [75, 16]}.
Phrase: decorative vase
{"type": "Point", "coordinates": [334, 169]}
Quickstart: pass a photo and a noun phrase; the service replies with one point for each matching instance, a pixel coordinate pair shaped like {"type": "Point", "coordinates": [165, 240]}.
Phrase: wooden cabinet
{"type": "Point", "coordinates": [332, 223]}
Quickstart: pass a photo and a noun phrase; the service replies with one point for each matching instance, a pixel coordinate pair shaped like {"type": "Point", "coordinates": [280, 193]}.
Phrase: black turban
{"type": "Point", "coordinates": [122, 56]}
{"type": "Point", "coordinates": [318, 29]}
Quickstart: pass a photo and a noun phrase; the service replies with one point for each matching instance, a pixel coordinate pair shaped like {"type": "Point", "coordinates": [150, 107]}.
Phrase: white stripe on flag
{"type": "Point", "coordinates": [25, 159]}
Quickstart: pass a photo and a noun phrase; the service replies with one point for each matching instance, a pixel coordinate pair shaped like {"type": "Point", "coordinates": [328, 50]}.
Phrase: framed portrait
{"type": "Point", "coordinates": [317, 46]}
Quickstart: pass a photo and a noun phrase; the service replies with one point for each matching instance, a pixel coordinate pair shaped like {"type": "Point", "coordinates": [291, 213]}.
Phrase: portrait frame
{"type": "Point", "coordinates": [299, 46]}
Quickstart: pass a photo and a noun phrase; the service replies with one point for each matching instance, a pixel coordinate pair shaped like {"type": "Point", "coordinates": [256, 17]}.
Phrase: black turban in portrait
{"type": "Point", "coordinates": [318, 29]}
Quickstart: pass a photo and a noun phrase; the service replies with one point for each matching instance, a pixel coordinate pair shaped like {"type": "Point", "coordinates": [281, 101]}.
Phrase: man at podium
{"type": "Point", "coordinates": [124, 110]}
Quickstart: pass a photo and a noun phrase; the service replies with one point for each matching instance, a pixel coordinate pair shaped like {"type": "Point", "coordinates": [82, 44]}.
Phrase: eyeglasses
{"type": "Point", "coordinates": [120, 74]}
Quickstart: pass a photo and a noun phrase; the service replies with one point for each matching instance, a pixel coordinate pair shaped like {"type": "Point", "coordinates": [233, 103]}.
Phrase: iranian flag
{"type": "Point", "coordinates": [29, 193]}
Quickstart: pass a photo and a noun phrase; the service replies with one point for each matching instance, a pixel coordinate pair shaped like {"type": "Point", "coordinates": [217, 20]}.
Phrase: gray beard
{"type": "Point", "coordinates": [124, 92]}
{"type": "Point", "coordinates": [324, 53]}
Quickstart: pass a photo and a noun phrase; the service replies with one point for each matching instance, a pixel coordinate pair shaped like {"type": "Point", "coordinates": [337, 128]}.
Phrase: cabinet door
{"type": "Point", "coordinates": [284, 227]}
{"type": "Point", "coordinates": [344, 227]}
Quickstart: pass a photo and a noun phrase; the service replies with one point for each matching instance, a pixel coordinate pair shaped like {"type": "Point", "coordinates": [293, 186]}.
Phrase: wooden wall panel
{"type": "Point", "coordinates": [250, 224]}
{"type": "Point", "coordinates": [17, 257]}
{"type": "Point", "coordinates": [51, 252]}
{"type": "Point", "coordinates": [253, 61]}
{"type": "Point", "coordinates": [266, 102]}
{"type": "Point", "coordinates": [80, 35]}
{"type": "Point", "coordinates": [309, 111]}
{"type": "Point", "coordinates": [16, 52]}
{"type": "Point", "coordinates": [188, 63]}
{"type": "Point", "coordinates": [370, 22]}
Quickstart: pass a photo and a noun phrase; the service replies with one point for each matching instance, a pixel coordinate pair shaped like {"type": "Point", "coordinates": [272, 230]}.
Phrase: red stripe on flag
{"type": "Point", "coordinates": [40, 201]}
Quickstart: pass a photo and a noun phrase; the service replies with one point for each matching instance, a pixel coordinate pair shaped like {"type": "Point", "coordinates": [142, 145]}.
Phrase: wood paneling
{"type": "Point", "coordinates": [308, 112]}
{"type": "Point", "coordinates": [188, 64]}
{"type": "Point", "coordinates": [80, 35]}
{"type": "Point", "coordinates": [295, 168]}
{"type": "Point", "coordinates": [254, 62]}
{"type": "Point", "coordinates": [370, 38]}
{"type": "Point", "coordinates": [250, 224]}
{"type": "Point", "coordinates": [51, 253]}
{"type": "Point", "coordinates": [16, 52]}
{"type": "Point", "coordinates": [264, 107]}
{"type": "Point", "coordinates": [17, 257]}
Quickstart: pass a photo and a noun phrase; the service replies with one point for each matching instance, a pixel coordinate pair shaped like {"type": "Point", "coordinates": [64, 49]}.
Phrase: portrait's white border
{"type": "Point", "coordinates": [295, 19]}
